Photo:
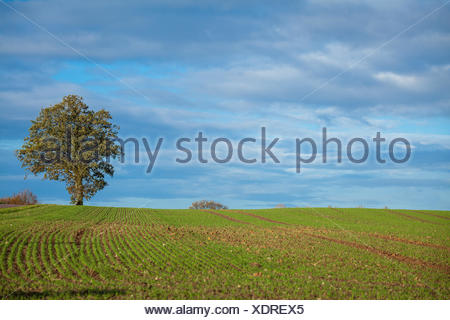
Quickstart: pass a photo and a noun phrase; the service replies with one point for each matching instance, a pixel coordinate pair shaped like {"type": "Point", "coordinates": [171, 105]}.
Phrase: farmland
{"type": "Point", "coordinates": [82, 252]}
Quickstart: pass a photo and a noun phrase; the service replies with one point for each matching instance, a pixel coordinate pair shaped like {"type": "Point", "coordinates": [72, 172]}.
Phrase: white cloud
{"type": "Point", "coordinates": [403, 81]}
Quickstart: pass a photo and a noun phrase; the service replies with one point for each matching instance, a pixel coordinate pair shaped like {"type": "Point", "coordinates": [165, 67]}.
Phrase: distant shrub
{"type": "Point", "coordinates": [23, 197]}
{"type": "Point", "coordinates": [207, 204]}
{"type": "Point", "coordinates": [280, 205]}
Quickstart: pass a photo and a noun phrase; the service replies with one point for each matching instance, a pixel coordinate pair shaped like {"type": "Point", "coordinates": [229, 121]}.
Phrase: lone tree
{"type": "Point", "coordinates": [70, 142]}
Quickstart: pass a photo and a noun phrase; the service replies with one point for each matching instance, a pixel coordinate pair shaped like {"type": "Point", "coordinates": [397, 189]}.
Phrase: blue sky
{"type": "Point", "coordinates": [227, 69]}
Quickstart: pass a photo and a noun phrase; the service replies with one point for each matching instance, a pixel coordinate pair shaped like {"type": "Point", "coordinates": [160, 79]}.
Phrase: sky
{"type": "Point", "coordinates": [227, 69]}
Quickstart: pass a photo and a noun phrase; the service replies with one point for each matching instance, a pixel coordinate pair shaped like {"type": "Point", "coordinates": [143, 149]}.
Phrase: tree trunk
{"type": "Point", "coordinates": [79, 191]}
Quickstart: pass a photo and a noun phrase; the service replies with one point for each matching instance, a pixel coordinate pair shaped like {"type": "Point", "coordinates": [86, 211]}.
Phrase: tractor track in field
{"type": "Point", "coordinates": [373, 235]}
{"type": "Point", "coordinates": [407, 241]}
{"type": "Point", "coordinates": [407, 215]}
{"type": "Point", "coordinates": [387, 254]}
{"type": "Point", "coordinates": [431, 214]}
{"type": "Point", "coordinates": [377, 251]}
{"type": "Point", "coordinates": [78, 236]}
{"type": "Point", "coordinates": [402, 240]}
{"type": "Point", "coordinates": [410, 217]}
{"type": "Point", "coordinates": [259, 217]}
{"type": "Point", "coordinates": [226, 217]}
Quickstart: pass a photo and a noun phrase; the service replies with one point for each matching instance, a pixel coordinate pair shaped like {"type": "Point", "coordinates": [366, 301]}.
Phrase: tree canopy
{"type": "Point", "coordinates": [69, 142]}
{"type": "Point", "coordinates": [207, 204]}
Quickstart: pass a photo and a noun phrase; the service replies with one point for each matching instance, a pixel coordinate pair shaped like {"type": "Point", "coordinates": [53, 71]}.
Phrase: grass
{"type": "Point", "coordinates": [68, 252]}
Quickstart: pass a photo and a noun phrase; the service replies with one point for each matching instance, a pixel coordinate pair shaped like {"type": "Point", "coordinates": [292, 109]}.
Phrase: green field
{"type": "Point", "coordinates": [69, 252]}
